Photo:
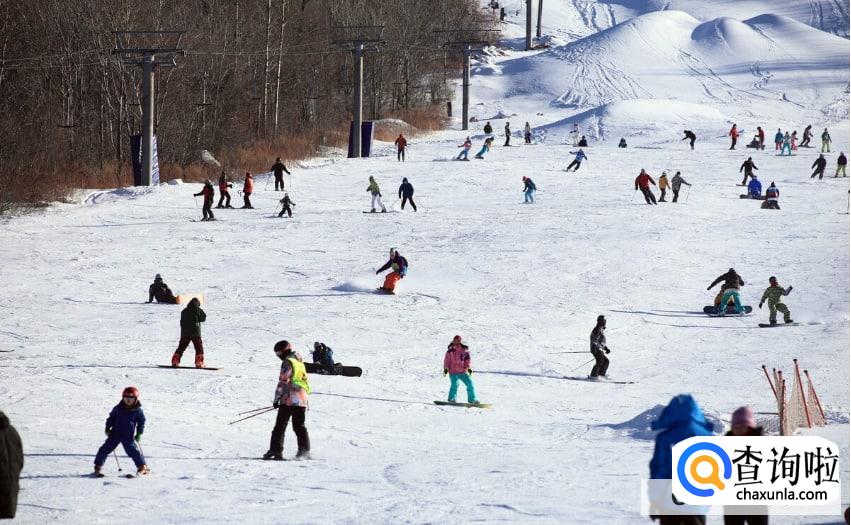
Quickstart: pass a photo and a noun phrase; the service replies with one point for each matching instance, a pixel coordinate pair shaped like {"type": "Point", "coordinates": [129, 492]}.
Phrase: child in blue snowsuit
{"type": "Point", "coordinates": [529, 190]}
{"type": "Point", "coordinates": [755, 188]}
{"type": "Point", "coordinates": [124, 426]}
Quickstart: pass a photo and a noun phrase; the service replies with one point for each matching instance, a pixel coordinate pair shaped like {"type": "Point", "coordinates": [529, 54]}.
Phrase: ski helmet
{"type": "Point", "coordinates": [131, 391]}
{"type": "Point", "coordinates": [283, 348]}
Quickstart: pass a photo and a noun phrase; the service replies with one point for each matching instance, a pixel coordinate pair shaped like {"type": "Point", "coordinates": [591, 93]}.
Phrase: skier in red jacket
{"type": "Point", "coordinates": [643, 182]}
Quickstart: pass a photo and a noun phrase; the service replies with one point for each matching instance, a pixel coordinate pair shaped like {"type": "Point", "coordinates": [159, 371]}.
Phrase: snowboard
{"type": "Point", "coordinates": [336, 370]}
{"type": "Point", "coordinates": [769, 325]}
{"type": "Point", "coordinates": [202, 220]}
{"type": "Point", "coordinates": [185, 298]}
{"type": "Point", "coordinates": [712, 310]}
{"type": "Point", "coordinates": [189, 367]}
{"type": "Point", "coordinates": [604, 380]}
{"type": "Point", "coordinates": [383, 291]}
{"type": "Point", "coordinates": [760, 198]}
{"type": "Point", "coordinates": [465, 405]}
{"type": "Point", "coordinates": [381, 212]}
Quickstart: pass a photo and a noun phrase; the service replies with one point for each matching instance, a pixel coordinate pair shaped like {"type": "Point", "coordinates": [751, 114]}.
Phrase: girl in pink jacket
{"type": "Point", "coordinates": [456, 363]}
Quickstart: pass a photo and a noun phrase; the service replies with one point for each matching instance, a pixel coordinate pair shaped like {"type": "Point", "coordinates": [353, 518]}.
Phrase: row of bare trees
{"type": "Point", "coordinates": [254, 72]}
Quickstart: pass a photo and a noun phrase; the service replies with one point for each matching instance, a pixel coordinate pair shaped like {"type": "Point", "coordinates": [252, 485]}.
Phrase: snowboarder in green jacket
{"type": "Point", "coordinates": [773, 294]}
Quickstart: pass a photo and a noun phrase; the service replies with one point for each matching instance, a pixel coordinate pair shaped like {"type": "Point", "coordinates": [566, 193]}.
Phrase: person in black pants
{"type": "Point", "coordinates": [286, 204]}
{"type": "Point", "coordinates": [279, 169]}
{"type": "Point", "coordinates": [690, 136]}
{"type": "Point", "coordinates": [819, 165]}
{"type": "Point", "coordinates": [599, 348]}
{"type": "Point", "coordinates": [209, 193]}
{"type": "Point", "coordinates": [406, 193]}
{"type": "Point", "coordinates": [291, 402]}
{"type": "Point", "coordinates": [748, 166]}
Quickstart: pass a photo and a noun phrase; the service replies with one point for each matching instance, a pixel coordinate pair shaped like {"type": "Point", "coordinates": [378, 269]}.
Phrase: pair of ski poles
{"type": "Point", "coordinates": [254, 413]}
{"type": "Point", "coordinates": [115, 455]}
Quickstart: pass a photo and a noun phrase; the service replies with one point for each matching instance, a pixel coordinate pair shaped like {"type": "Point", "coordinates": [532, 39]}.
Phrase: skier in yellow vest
{"type": "Point", "coordinates": [291, 401]}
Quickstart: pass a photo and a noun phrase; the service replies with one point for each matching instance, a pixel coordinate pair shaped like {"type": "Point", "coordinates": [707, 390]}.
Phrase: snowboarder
{"type": "Point", "coordinates": [467, 145]}
{"type": "Point", "coordinates": [208, 192]}
{"type": "Point", "coordinates": [755, 188]}
{"type": "Point", "coordinates": [729, 290]}
{"type": "Point", "coordinates": [278, 169]}
{"type": "Point", "coordinates": [323, 355]}
{"type": "Point", "coordinates": [819, 165]}
{"type": "Point", "coordinates": [286, 206]}
{"type": "Point", "coordinates": [734, 135]}
{"type": "Point", "coordinates": [406, 193]}
{"type": "Point", "coordinates": [190, 330]}
{"type": "Point", "coordinates": [825, 141]}
{"type": "Point", "coordinates": [663, 185]}
{"type": "Point", "coordinates": [773, 295]}
{"type": "Point", "coordinates": [689, 136]}
{"type": "Point", "coordinates": [224, 194]}
{"type": "Point", "coordinates": [401, 143]}
{"type": "Point", "coordinates": [676, 182]}
{"type": "Point", "coordinates": [778, 140]}
{"type": "Point", "coordinates": [376, 195]}
{"type": "Point", "coordinates": [771, 196]}
{"type": "Point", "coordinates": [529, 191]}
{"type": "Point", "coordinates": [160, 291]}
{"type": "Point", "coordinates": [527, 133]}
{"type": "Point", "coordinates": [507, 134]}
{"type": "Point", "coordinates": [11, 464]}
{"type": "Point", "coordinates": [622, 143]}
{"type": "Point", "coordinates": [760, 134]}
{"type": "Point", "coordinates": [485, 148]}
{"type": "Point", "coordinates": [748, 166]}
{"type": "Point", "coordinates": [125, 426]}
{"type": "Point", "coordinates": [291, 401]}
{"type": "Point", "coordinates": [247, 190]}
{"type": "Point", "coordinates": [808, 135]}
{"type": "Point", "coordinates": [399, 266]}
{"type": "Point", "coordinates": [488, 128]}
{"type": "Point", "coordinates": [599, 348]}
{"type": "Point", "coordinates": [457, 364]}
{"type": "Point", "coordinates": [583, 142]}
{"type": "Point", "coordinates": [579, 156]}
{"type": "Point", "coordinates": [841, 163]}
{"type": "Point", "coordinates": [787, 144]}
{"type": "Point", "coordinates": [643, 182]}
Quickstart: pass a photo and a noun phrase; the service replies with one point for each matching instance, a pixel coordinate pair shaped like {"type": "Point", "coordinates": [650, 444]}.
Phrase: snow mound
{"type": "Point", "coordinates": [208, 158]}
{"type": "Point", "coordinates": [132, 192]}
{"type": "Point", "coordinates": [639, 426]}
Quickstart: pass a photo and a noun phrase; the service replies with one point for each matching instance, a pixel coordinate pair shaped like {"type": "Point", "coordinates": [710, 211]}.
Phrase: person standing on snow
{"type": "Point", "coordinates": [825, 141]}
{"type": "Point", "coordinates": [748, 166]}
{"type": "Point", "coordinates": [291, 401]}
{"type": "Point", "coordinates": [599, 348]}
{"type": "Point", "coordinates": [224, 194]}
{"type": "Point", "coordinates": [11, 464]}
{"type": "Point", "coordinates": [247, 190]}
{"type": "Point", "coordinates": [507, 134]}
{"type": "Point", "coordinates": [279, 169]}
{"type": "Point", "coordinates": [771, 196]}
{"type": "Point", "coordinates": [734, 135]}
{"type": "Point", "coordinates": [400, 269]}
{"type": "Point", "coordinates": [761, 137]}
{"type": "Point", "coordinates": [787, 144]}
{"type": "Point", "coordinates": [622, 143]}
{"type": "Point", "coordinates": [485, 148]}
{"type": "Point", "coordinates": [457, 364]}
{"type": "Point", "coordinates": [808, 135]}
{"type": "Point", "coordinates": [663, 185]}
{"type": "Point", "coordinates": [689, 136]}
{"type": "Point", "coordinates": [529, 191]}
{"type": "Point", "coordinates": [841, 163]}
{"type": "Point", "coordinates": [577, 160]}
{"type": "Point", "coordinates": [190, 330]}
{"type": "Point", "coordinates": [773, 295]}
{"type": "Point", "coordinates": [778, 140]}
{"type": "Point", "coordinates": [820, 164]}
{"type": "Point", "coordinates": [527, 133]}
{"type": "Point", "coordinates": [376, 195]}
{"type": "Point", "coordinates": [488, 128]}
{"type": "Point", "coordinates": [468, 144]}
{"type": "Point", "coordinates": [643, 182]}
{"type": "Point", "coordinates": [160, 291]}
{"type": "Point", "coordinates": [729, 290]}
{"type": "Point", "coordinates": [676, 182]}
{"type": "Point", "coordinates": [208, 192]}
{"type": "Point", "coordinates": [574, 134]}
{"type": "Point", "coordinates": [286, 204]}
{"type": "Point", "coordinates": [401, 143]}
{"type": "Point", "coordinates": [125, 426]}
{"type": "Point", "coordinates": [406, 193]}
{"type": "Point", "coordinates": [755, 188]}
{"type": "Point", "coordinates": [794, 140]}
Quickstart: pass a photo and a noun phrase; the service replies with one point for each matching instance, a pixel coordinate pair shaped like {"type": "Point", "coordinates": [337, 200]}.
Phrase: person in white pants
{"type": "Point", "coordinates": [376, 195]}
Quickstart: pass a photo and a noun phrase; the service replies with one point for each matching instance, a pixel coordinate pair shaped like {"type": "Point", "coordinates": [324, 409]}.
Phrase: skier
{"type": "Point", "coordinates": [247, 190]}
{"type": "Point", "coordinates": [507, 134]}
{"type": "Point", "coordinates": [729, 290]}
{"type": "Point", "coordinates": [599, 348]}
{"type": "Point", "coordinates": [643, 182]}
{"type": "Point", "coordinates": [279, 169]}
{"type": "Point", "coordinates": [485, 148]}
{"type": "Point", "coordinates": [577, 160]}
{"type": "Point", "coordinates": [529, 191]}
{"type": "Point", "coordinates": [676, 182]}
{"type": "Point", "coordinates": [488, 128]}
{"type": "Point", "coordinates": [400, 269]}
{"type": "Point", "coordinates": [663, 185]}
{"type": "Point", "coordinates": [773, 295]}
{"type": "Point", "coordinates": [787, 144]}
{"type": "Point", "coordinates": [761, 136]}
{"type": "Point", "coordinates": [527, 133]}
{"type": "Point", "coordinates": [778, 140]}
{"type": "Point", "coordinates": [748, 166]}
{"type": "Point", "coordinates": [819, 165]}
{"type": "Point", "coordinates": [286, 206]}
{"type": "Point", "coordinates": [734, 135]}
{"type": "Point", "coordinates": [468, 144]}
{"type": "Point", "coordinates": [841, 163]}
{"type": "Point", "coordinates": [224, 194]}
{"type": "Point", "coordinates": [808, 135]}
{"type": "Point", "coordinates": [11, 464]}
{"type": "Point", "coordinates": [406, 193]}
{"type": "Point", "coordinates": [457, 363]}
{"type": "Point", "coordinates": [755, 188]}
{"type": "Point", "coordinates": [401, 143]}
{"type": "Point", "coordinates": [689, 136]}
{"type": "Point", "coordinates": [125, 425]}
{"type": "Point", "coordinates": [323, 355]}
{"type": "Point", "coordinates": [190, 330]}
{"type": "Point", "coordinates": [825, 141]}
{"type": "Point", "coordinates": [743, 424]}
{"type": "Point", "coordinates": [376, 195]}
{"type": "Point", "coordinates": [574, 134]}
{"type": "Point", "coordinates": [160, 291]}
{"type": "Point", "coordinates": [795, 140]}
{"type": "Point", "coordinates": [622, 143]}
{"type": "Point", "coordinates": [291, 401]}
{"type": "Point", "coordinates": [208, 192]}
{"type": "Point", "coordinates": [583, 142]}
{"type": "Point", "coordinates": [771, 196]}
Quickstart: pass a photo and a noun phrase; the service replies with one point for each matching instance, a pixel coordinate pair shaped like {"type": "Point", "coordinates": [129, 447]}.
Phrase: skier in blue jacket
{"type": "Point", "coordinates": [529, 191]}
{"type": "Point", "coordinates": [124, 426]}
{"type": "Point", "coordinates": [577, 161]}
{"type": "Point", "coordinates": [755, 188]}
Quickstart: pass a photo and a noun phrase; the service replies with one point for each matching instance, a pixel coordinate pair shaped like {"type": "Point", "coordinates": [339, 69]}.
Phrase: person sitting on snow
{"type": "Point", "coordinates": [755, 188]}
{"type": "Point", "coordinates": [161, 292]}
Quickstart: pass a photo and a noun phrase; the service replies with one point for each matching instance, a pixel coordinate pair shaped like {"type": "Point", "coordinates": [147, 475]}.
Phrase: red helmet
{"type": "Point", "coordinates": [131, 391]}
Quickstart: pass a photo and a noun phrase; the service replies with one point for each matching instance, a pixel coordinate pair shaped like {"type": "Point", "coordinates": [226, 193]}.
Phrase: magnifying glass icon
{"type": "Point", "coordinates": [712, 478]}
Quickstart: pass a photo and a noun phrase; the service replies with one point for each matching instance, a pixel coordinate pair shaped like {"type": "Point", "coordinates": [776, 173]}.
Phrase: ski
{"type": "Point", "coordinates": [465, 405]}
{"type": "Point", "coordinates": [596, 380]}
{"type": "Point", "coordinates": [99, 475]}
{"type": "Point", "coordinates": [380, 212]}
{"type": "Point", "coordinates": [777, 325]}
{"type": "Point", "coordinates": [190, 367]}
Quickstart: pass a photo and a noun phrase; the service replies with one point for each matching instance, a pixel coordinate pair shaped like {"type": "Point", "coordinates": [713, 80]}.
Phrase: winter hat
{"type": "Point", "coordinates": [457, 339]}
{"type": "Point", "coordinates": [772, 278]}
{"type": "Point", "coordinates": [131, 391]}
{"type": "Point", "coordinates": [524, 178]}
{"type": "Point", "coordinates": [283, 348]}
{"type": "Point", "coordinates": [743, 416]}
{"type": "Point", "coordinates": [158, 277]}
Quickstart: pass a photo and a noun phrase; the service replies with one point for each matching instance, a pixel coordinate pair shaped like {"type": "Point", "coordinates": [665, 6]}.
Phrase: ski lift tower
{"type": "Point", "coordinates": [465, 40]}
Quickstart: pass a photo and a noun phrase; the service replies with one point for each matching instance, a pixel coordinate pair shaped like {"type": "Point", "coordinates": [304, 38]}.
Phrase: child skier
{"type": "Point", "coordinates": [577, 160]}
{"type": "Point", "coordinates": [663, 185]}
{"type": "Point", "coordinates": [529, 191]}
{"type": "Point", "coordinates": [773, 294]}
{"type": "Point", "coordinates": [485, 148]}
{"type": "Point", "coordinates": [247, 190]}
{"type": "Point", "coordinates": [286, 204]}
{"type": "Point", "coordinates": [376, 195]}
{"type": "Point", "coordinates": [161, 292]}
{"type": "Point", "coordinates": [468, 144]}
{"type": "Point", "coordinates": [676, 183]}
{"type": "Point", "coordinates": [190, 330]}
{"type": "Point", "coordinates": [400, 269]}
{"type": "Point", "coordinates": [291, 401]}
{"type": "Point", "coordinates": [599, 348]}
{"type": "Point", "coordinates": [224, 194]}
{"type": "Point", "coordinates": [125, 425]}
{"type": "Point", "coordinates": [456, 363]}
{"type": "Point", "coordinates": [787, 144]}
{"type": "Point", "coordinates": [208, 192]}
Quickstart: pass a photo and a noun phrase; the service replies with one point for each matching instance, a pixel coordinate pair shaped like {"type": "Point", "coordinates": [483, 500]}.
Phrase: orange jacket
{"type": "Point", "coordinates": [249, 185]}
{"type": "Point", "coordinates": [734, 132]}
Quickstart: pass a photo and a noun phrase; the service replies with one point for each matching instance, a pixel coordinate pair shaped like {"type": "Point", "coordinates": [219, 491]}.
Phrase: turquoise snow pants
{"type": "Point", "coordinates": [468, 382]}
{"type": "Point", "coordinates": [722, 308]}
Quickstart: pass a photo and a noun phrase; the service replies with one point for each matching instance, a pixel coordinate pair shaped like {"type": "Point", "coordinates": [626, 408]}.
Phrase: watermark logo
{"type": "Point", "coordinates": [706, 469]}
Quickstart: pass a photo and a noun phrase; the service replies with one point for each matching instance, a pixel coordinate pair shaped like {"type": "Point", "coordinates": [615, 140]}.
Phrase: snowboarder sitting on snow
{"type": "Point", "coordinates": [748, 166]}
{"type": "Point", "coordinates": [457, 363]}
{"type": "Point", "coordinates": [771, 196]}
{"type": "Point", "coordinates": [729, 290]}
{"type": "Point", "coordinates": [125, 425]}
{"type": "Point", "coordinates": [529, 191]}
{"type": "Point", "coordinates": [400, 270]}
{"type": "Point", "coordinates": [247, 190]}
{"type": "Point", "coordinates": [773, 294]}
{"type": "Point", "coordinates": [643, 182]}
{"type": "Point", "coordinates": [161, 292]}
{"type": "Point", "coordinates": [755, 188]}
{"type": "Point", "coordinates": [323, 355]}
{"type": "Point", "coordinates": [676, 183]}
{"type": "Point", "coordinates": [224, 195]}
{"type": "Point", "coordinates": [208, 192]}
{"type": "Point", "coordinates": [485, 148]}
{"type": "Point", "coordinates": [622, 143]}
{"type": "Point", "coordinates": [820, 164]}
{"type": "Point", "coordinates": [190, 330]}
{"type": "Point", "coordinates": [689, 136]}
{"type": "Point", "coordinates": [291, 401]}
{"type": "Point", "coordinates": [599, 348]}
{"type": "Point", "coordinates": [583, 142]}
{"type": "Point", "coordinates": [467, 145]}
{"type": "Point", "coordinates": [286, 204]}
{"type": "Point", "coordinates": [577, 160]}
{"type": "Point", "coordinates": [406, 193]}
{"type": "Point", "coordinates": [376, 195]}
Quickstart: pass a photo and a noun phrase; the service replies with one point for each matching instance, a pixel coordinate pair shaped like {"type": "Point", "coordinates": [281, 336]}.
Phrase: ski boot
{"type": "Point", "coordinates": [788, 321]}
{"type": "Point", "coordinates": [277, 456]}
{"type": "Point", "coordinates": [772, 322]}
{"type": "Point", "coordinates": [302, 454]}
{"type": "Point", "coordinates": [175, 360]}
{"type": "Point", "coordinates": [372, 210]}
{"type": "Point", "coordinates": [143, 470]}
{"type": "Point", "coordinates": [384, 211]}
{"type": "Point", "coordinates": [199, 360]}
{"type": "Point", "coordinates": [97, 473]}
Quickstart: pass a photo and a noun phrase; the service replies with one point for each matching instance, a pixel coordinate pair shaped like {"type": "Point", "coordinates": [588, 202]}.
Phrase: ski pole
{"type": "Point", "coordinates": [688, 192]}
{"type": "Point", "coordinates": [196, 201]}
{"type": "Point", "coordinates": [115, 455]}
{"type": "Point", "coordinates": [265, 188]}
{"type": "Point", "coordinates": [633, 196]}
{"type": "Point", "coordinates": [253, 415]}
{"type": "Point", "coordinates": [255, 410]}
{"type": "Point", "coordinates": [576, 352]}
{"type": "Point", "coordinates": [584, 364]}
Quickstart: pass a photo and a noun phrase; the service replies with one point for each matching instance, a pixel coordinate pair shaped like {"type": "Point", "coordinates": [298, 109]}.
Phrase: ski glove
{"type": "Point", "coordinates": [760, 304]}
{"type": "Point", "coordinates": [445, 371]}
{"type": "Point", "coordinates": [607, 350]}
{"type": "Point", "coordinates": [108, 431]}
{"type": "Point", "coordinates": [276, 403]}
{"type": "Point", "coordinates": [788, 290]}
{"type": "Point", "coordinates": [469, 371]}
{"type": "Point", "coordinates": [138, 437]}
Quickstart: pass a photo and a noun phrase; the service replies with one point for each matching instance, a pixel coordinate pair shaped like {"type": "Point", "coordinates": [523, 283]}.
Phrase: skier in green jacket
{"type": "Point", "coordinates": [773, 294]}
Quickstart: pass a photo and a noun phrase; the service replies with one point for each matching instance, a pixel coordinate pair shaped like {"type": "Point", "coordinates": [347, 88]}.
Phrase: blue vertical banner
{"type": "Point", "coordinates": [155, 163]}
{"type": "Point", "coordinates": [366, 134]}
{"type": "Point", "coordinates": [136, 158]}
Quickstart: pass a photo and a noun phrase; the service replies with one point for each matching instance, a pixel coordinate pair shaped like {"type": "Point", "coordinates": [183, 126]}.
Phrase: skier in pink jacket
{"type": "Point", "coordinates": [456, 363]}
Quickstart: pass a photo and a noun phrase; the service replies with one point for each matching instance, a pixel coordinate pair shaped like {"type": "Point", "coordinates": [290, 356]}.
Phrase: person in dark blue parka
{"type": "Point", "coordinates": [124, 426]}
